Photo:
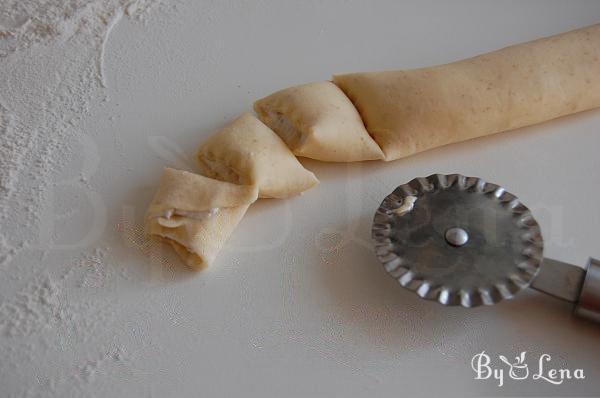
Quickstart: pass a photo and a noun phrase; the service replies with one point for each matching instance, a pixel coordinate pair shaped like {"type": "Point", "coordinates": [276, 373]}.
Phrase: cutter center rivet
{"type": "Point", "coordinates": [457, 236]}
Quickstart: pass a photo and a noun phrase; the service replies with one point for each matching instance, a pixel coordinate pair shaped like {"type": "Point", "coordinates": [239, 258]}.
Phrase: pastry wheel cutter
{"type": "Point", "coordinates": [464, 241]}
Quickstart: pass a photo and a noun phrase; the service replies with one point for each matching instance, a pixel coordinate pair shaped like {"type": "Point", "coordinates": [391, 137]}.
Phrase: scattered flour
{"type": "Point", "coordinates": [24, 23]}
{"type": "Point", "coordinates": [51, 75]}
{"type": "Point", "coordinates": [65, 300]}
{"type": "Point", "coordinates": [36, 307]}
{"type": "Point", "coordinates": [53, 53]}
{"type": "Point", "coordinates": [91, 367]}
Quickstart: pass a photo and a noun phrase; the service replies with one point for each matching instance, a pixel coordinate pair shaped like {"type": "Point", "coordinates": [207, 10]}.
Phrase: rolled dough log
{"type": "Point", "coordinates": [248, 152]}
{"type": "Point", "coordinates": [404, 111]}
{"type": "Point", "coordinates": [409, 111]}
{"type": "Point", "coordinates": [196, 214]}
{"type": "Point", "coordinates": [318, 121]}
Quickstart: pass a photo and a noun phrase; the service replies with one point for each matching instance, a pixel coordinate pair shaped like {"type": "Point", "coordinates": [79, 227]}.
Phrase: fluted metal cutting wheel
{"type": "Point", "coordinates": [457, 240]}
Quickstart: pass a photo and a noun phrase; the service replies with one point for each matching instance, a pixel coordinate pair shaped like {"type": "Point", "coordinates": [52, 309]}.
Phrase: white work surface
{"type": "Point", "coordinates": [296, 304]}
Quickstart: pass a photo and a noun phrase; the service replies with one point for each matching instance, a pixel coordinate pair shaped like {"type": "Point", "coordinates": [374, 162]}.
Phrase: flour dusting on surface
{"type": "Point", "coordinates": [52, 68]}
{"type": "Point", "coordinates": [27, 23]}
{"type": "Point", "coordinates": [33, 309]}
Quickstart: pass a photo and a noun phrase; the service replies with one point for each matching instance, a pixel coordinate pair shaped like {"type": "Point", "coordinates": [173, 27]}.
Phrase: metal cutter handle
{"type": "Point", "coordinates": [588, 305]}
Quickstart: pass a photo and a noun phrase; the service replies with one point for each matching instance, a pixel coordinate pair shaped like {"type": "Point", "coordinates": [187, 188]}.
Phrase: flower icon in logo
{"type": "Point", "coordinates": [519, 369]}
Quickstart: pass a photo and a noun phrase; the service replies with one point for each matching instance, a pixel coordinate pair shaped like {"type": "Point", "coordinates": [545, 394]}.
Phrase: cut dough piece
{"type": "Point", "coordinates": [413, 110]}
{"type": "Point", "coordinates": [318, 121]}
{"type": "Point", "coordinates": [196, 214]}
{"type": "Point", "coordinates": [248, 152]}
